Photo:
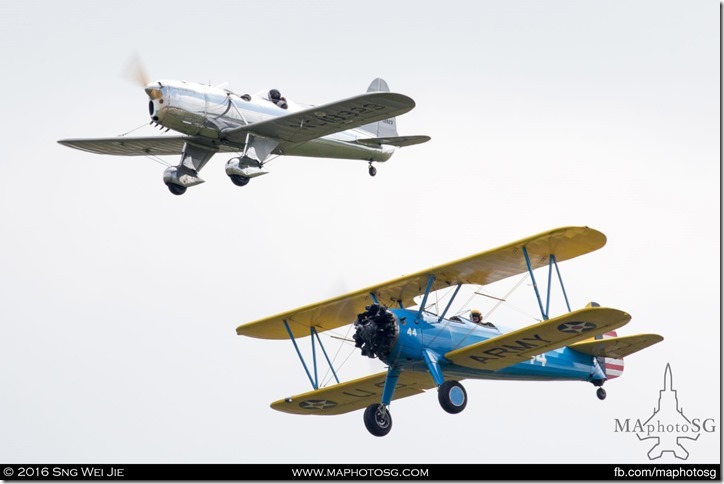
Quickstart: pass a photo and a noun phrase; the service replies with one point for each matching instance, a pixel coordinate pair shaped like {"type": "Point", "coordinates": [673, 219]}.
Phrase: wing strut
{"type": "Point", "coordinates": [551, 264]}
{"type": "Point", "coordinates": [430, 281]}
{"type": "Point", "coordinates": [442, 316]}
{"type": "Point", "coordinates": [313, 332]}
{"type": "Point", "coordinates": [560, 280]}
{"type": "Point", "coordinates": [535, 285]}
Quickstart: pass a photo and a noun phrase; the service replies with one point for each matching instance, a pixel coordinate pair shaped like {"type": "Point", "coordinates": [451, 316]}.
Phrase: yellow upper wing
{"type": "Point", "coordinates": [517, 346]}
{"type": "Point", "coordinates": [353, 395]}
{"type": "Point", "coordinates": [617, 347]}
{"type": "Point", "coordinates": [482, 268]}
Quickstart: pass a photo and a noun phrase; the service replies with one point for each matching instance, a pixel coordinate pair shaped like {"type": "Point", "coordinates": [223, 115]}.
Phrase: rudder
{"type": "Point", "coordinates": [612, 367]}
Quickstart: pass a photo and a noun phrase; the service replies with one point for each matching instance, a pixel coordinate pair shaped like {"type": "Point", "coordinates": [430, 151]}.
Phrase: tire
{"type": "Point", "coordinates": [452, 397]}
{"type": "Point", "coordinates": [239, 180]}
{"type": "Point", "coordinates": [601, 393]}
{"type": "Point", "coordinates": [378, 420]}
{"type": "Point", "coordinates": [176, 189]}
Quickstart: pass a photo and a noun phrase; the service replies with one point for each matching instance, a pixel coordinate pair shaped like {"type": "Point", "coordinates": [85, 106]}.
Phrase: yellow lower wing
{"type": "Point", "coordinates": [520, 345]}
{"type": "Point", "coordinates": [353, 395]}
{"type": "Point", "coordinates": [617, 347]}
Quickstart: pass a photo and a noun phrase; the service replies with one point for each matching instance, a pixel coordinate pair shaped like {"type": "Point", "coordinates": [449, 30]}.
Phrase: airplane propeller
{"type": "Point", "coordinates": [136, 72]}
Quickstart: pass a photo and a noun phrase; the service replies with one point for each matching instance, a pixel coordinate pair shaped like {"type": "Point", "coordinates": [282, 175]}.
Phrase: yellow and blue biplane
{"type": "Point", "coordinates": [424, 351]}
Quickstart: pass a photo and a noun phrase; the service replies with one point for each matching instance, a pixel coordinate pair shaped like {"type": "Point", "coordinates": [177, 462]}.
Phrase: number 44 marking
{"type": "Point", "coordinates": [412, 331]}
{"type": "Point", "coordinates": [540, 358]}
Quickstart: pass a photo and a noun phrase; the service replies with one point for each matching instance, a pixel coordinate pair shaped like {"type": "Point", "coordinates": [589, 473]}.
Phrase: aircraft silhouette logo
{"type": "Point", "coordinates": [668, 425]}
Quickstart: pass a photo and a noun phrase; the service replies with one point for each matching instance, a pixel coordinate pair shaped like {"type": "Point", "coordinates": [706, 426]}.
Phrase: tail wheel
{"type": "Point", "coordinates": [452, 397]}
{"type": "Point", "coordinates": [378, 420]}
{"type": "Point", "coordinates": [372, 170]}
{"type": "Point", "coordinates": [601, 393]}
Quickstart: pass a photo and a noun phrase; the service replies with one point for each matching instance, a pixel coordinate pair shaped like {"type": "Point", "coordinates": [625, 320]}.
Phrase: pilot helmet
{"type": "Point", "coordinates": [274, 95]}
{"type": "Point", "coordinates": [476, 313]}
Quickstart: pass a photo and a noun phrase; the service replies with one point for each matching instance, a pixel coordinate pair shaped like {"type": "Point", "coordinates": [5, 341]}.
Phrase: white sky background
{"type": "Point", "coordinates": [119, 301]}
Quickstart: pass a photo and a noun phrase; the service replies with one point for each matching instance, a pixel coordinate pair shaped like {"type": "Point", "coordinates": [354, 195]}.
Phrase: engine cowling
{"type": "Point", "coordinates": [376, 332]}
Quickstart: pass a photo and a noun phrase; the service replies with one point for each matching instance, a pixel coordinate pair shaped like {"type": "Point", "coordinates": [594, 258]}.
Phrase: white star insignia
{"type": "Point", "coordinates": [317, 404]}
{"type": "Point", "coordinates": [576, 327]}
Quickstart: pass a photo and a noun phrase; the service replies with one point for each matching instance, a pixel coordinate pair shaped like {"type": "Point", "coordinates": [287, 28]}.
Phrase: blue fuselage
{"type": "Point", "coordinates": [416, 335]}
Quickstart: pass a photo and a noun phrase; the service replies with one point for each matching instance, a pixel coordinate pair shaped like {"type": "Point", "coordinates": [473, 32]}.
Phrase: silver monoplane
{"type": "Point", "coordinates": [257, 128]}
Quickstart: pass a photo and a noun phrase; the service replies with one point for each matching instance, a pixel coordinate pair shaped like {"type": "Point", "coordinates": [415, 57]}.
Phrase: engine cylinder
{"type": "Point", "coordinates": [376, 332]}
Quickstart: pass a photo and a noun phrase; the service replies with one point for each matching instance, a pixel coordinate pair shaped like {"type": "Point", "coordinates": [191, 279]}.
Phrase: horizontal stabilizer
{"type": "Point", "coordinates": [617, 347]}
{"type": "Point", "coordinates": [520, 345]}
{"type": "Point", "coordinates": [398, 141]}
{"type": "Point", "coordinates": [353, 395]}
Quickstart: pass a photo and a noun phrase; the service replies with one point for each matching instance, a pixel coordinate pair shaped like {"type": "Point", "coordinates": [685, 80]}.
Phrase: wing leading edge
{"type": "Point", "coordinates": [482, 268]}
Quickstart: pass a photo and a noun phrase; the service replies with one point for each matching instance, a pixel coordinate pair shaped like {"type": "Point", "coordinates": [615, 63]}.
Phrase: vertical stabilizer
{"type": "Point", "coordinates": [378, 85]}
{"type": "Point", "coordinates": [386, 128]}
{"type": "Point", "coordinates": [612, 367]}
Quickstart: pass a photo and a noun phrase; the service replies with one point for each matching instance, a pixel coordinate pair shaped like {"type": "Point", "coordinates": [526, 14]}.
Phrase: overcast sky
{"type": "Point", "coordinates": [119, 301]}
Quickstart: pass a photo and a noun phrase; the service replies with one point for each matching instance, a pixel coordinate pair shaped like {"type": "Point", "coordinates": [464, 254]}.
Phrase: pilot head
{"type": "Point", "coordinates": [476, 316]}
{"type": "Point", "coordinates": [274, 95]}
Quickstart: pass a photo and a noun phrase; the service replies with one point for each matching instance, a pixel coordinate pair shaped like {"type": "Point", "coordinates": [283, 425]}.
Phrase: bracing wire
{"type": "Point", "coordinates": [158, 160]}
{"type": "Point", "coordinates": [134, 129]}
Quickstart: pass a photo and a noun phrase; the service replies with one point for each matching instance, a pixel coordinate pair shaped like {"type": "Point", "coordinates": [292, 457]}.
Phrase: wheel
{"type": "Point", "coordinates": [601, 393]}
{"type": "Point", "coordinates": [378, 420]}
{"type": "Point", "coordinates": [372, 170]}
{"type": "Point", "coordinates": [176, 189]}
{"type": "Point", "coordinates": [239, 180]}
{"type": "Point", "coordinates": [452, 397]}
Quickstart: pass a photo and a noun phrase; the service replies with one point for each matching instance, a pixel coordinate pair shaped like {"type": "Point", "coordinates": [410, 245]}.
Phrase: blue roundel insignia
{"type": "Point", "coordinates": [576, 327]}
{"type": "Point", "coordinates": [317, 404]}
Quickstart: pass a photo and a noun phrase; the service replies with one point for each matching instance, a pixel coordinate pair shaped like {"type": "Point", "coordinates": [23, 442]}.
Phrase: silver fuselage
{"type": "Point", "coordinates": [205, 111]}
